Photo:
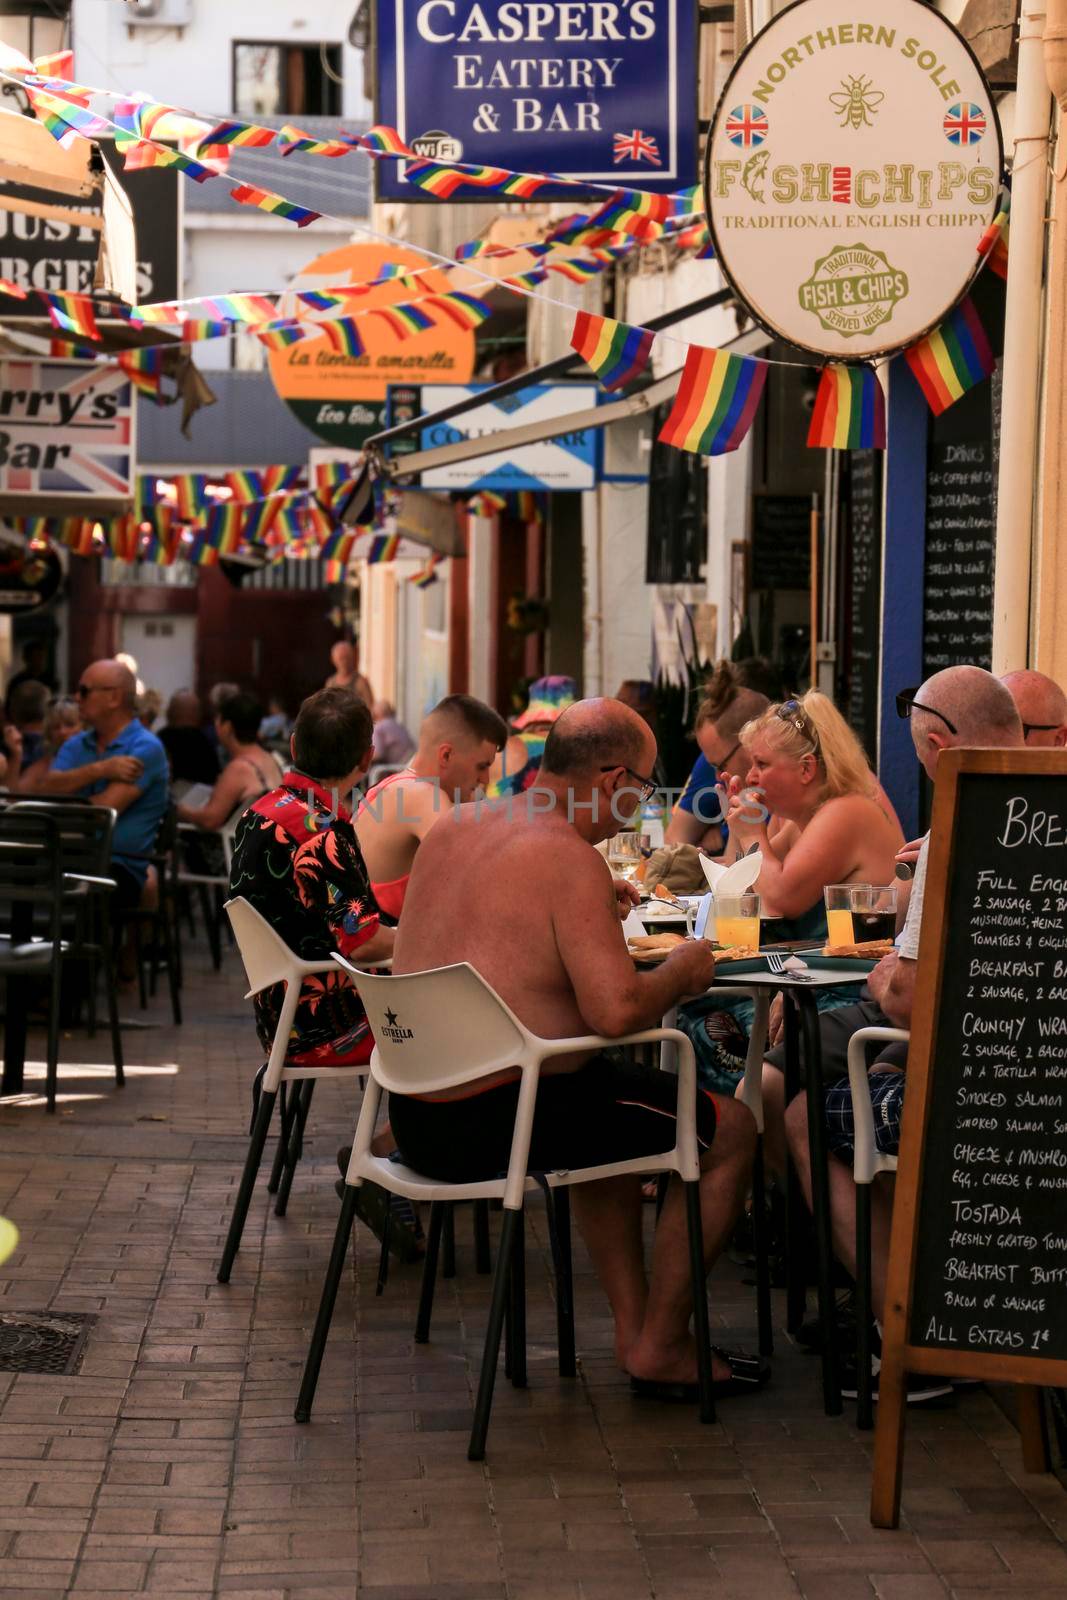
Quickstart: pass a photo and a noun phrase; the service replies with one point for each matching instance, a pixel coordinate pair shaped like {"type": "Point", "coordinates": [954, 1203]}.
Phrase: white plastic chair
{"type": "Point", "coordinates": [268, 960]}
{"type": "Point", "coordinates": [439, 1029]}
{"type": "Point", "coordinates": [867, 1162]}
{"type": "Point", "coordinates": [208, 881]}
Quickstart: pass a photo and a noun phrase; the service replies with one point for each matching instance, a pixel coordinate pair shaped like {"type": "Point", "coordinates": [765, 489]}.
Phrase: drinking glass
{"type": "Point", "coordinates": [874, 911]}
{"type": "Point", "coordinates": [838, 901]}
{"type": "Point", "coordinates": [626, 853]}
{"type": "Point", "coordinates": [737, 920]}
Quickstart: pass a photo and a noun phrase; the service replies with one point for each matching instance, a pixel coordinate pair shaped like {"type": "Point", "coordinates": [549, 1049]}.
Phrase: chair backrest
{"type": "Point", "coordinates": [84, 832]}
{"type": "Point", "coordinates": [436, 1030]}
{"type": "Point", "coordinates": [266, 956]}
{"type": "Point", "coordinates": [31, 857]}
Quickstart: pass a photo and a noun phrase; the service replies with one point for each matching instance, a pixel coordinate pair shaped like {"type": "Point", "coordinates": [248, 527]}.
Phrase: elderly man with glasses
{"type": "Point", "coordinates": [115, 762]}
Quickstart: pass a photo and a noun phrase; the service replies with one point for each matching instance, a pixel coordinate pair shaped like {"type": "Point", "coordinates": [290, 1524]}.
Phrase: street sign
{"type": "Point", "coordinates": [853, 165]}
{"type": "Point", "coordinates": [66, 437]}
{"type": "Point", "coordinates": [605, 92]}
{"type": "Point", "coordinates": [567, 461]}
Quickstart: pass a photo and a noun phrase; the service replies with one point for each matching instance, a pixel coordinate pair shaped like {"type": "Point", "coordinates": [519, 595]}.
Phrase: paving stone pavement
{"type": "Point", "coordinates": [171, 1465]}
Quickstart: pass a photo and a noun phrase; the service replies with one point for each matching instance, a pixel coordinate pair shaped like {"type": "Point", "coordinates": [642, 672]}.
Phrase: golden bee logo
{"type": "Point", "coordinates": [857, 102]}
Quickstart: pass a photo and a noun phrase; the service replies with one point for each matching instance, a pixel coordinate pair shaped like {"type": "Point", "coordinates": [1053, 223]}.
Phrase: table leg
{"type": "Point", "coordinates": [796, 1217]}
{"type": "Point", "coordinates": [15, 1013]}
{"type": "Point", "coordinates": [820, 1201]}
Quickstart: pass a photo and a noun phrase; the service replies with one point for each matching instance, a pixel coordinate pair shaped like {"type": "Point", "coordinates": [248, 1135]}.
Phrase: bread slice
{"type": "Point", "coordinates": [870, 950]}
{"type": "Point", "coordinates": [643, 943]}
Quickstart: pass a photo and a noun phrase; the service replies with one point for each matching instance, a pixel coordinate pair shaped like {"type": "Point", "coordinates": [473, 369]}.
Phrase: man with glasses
{"type": "Point", "coordinates": [1042, 705]}
{"type": "Point", "coordinates": [115, 762]}
{"type": "Point", "coordinates": [959, 707]}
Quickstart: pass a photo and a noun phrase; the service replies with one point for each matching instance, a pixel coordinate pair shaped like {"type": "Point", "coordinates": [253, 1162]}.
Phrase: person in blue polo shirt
{"type": "Point", "coordinates": [116, 762]}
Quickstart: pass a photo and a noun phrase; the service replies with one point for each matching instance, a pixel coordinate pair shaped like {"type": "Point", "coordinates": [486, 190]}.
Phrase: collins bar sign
{"type": "Point", "coordinates": [597, 89]}
{"type": "Point", "coordinates": [853, 165]}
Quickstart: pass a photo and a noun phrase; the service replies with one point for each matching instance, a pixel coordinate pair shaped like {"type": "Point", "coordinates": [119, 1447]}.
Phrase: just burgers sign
{"type": "Point", "coordinates": [853, 165]}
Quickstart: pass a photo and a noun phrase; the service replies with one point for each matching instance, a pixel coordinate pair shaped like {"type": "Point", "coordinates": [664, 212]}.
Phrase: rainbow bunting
{"type": "Point", "coordinates": [333, 571]}
{"type": "Point", "coordinates": [463, 309]}
{"type": "Point", "coordinates": [486, 504]}
{"type": "Point", "coordinates": [633, 211]}
{"type": "Point", "coordinates": [716, 401]}
{"type": "Point", "coordinates": [204, 328]}
{"type": "Point", "coordinates": [161, 546]}
{"type": "Point", "coordinates": [383, 547]}
{"type": "Point", "coordinates": [144, 368]}
{"type": "Point", "coordinates": [257, 519]}
{"type": "Point", "coordinates": [245, 485]}
{"type": "Point", "coordinates": [576, 271]}
{"type": "Point", "coordinates": [383, 141]}
{"type": "Point", "coordinates": [280, 479]}
{"type": "Point", "coordinates": [402, 321]}
{"type": "Point", "coordinates": [239, 307]}
{"type": "Point", "coordinates": [343, 337]}
{"type": "Point", "coordinates": [201, 552]}
{"type": "Point", "coordinates": [617, 352]}
{"type": "Point", "coordinates": [442, 181]}
{"type": "Point", "coordinates": [79, 535]}
{"type": "Point", "coordinates": [123, 538]}
{"type": "Point", "coordinates": [246, 194]}
{"type": "Point", "coordinates": [223, 528]}
{"type": "Point", "coordinates": [337, 546]}
{"type": "Point", "coordinates": [280, 335]}
{"type": "Point", "coordinates": [329, 476]}
{"type": "Point", "coordinates": [65, 119]}
{"type": "Point", "coordinates": [142, 154]}
{"type": "Point", "coordinates": [316, 301]}
{"type": "Point", "coordinates": [528, 508]}
{"type": "Point", "coordinates": [526, 280]}
{"type": "Point", "coordinates": [70, 350]}
{"type": "Point", "coordinates": [13, 289]}
{"type": "Point", "coordinates": [427, 574]}
{"type": "Point", "coordinates": [952, 359]}
{"type": "Point", "coordinates": [237, 134]}
{"type": "Point", "coordinates": [72, 313]}
{"type": "Point", "coordinates": [291, 139]}
{"type": "Point", "coordinates": [993, 244]}
{"type": "Point", "coordinates": [849, 411]}
{"type": "Point", "coordinates": [58, 67]}
{"type": "Point", "coordinates": [189, 488]}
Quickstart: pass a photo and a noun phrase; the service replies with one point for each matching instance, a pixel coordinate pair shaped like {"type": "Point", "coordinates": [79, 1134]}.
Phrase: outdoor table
{"type": "Point", "coordinates": [802, 1044]}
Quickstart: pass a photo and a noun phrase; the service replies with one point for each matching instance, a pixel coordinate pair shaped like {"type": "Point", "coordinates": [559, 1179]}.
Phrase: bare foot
{"type": "Point", "coordinates": [676, 1363]}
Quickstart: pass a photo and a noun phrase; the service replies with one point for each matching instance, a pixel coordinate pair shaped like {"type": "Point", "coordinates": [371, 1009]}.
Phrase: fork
{"type": "Point", "coordinates": [776, 965]}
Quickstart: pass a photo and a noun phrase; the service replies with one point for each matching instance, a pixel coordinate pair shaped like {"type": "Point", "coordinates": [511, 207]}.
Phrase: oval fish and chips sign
{"type": "Point", "coordinates": [853, 165]}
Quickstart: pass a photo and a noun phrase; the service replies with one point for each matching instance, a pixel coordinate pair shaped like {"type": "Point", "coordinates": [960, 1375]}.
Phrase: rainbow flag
{"type": "Point", "coordinates": [329, 476]}
{"type": "Point", "coordinates": [617, 352]}
{"type": "Point", "coordinates": [383, 547]}
{"type": "Point", "coordinates": [317, 301]}
{"type": "Point", "coordinates": [849, 411]}
{"type": "Point", "coordinates": [58, 67]}
{"type": "Point", "coordinates": [528, 508]}
{"type": "Point", "coordinates": [342, 336]}
{"type": "Point", "coordinates": [952, 359]}
{"type": "Point", "coordinates": [161, 546]}
{"type": "Point", "coordinates": [204, 328]}
{"type": "Point", "coordinates": [337, 546]}
{"type": "Point", "coordinates": [189, 490]}
{"type": "Point", "coordinates": [231, 133]}
{"type": "Point", "coordinates": [383, 141]}
{"type": "Point", "coordinates": [463, 309]}
{"type": "Point", "coordinates": [576, 271]}
{"type": "Point", "coordinates": [280, 335]}
{"type": "Point", "coordinates": [402, 321]}
{"type": "Point", "coordinates": [238, 307]}
{"type": "Point", "coordinates": [486, 504]}
{"type": "Point", "coordinates": [224, 527]}
{"type": "Point", "coordinates": [123, 538]}
{"type": "Point", "coordinates": [13, 289]}
{"type": "Point", "coordinates": [72, 313]}
{"type": "Point", "coordinates": [142, 154]}
{"type": "Point", "coordinates": [245, 485]}
{"type": "Point", "coordinates": [633, 211]}
{"type": "Point", "coordinates": [144, 368]}
{"type": "Point", "coordinates": [279, 480]}
{"type": "Point", "coordinates": [443, 181]}
{"type": "Point", "coordinates": [246, 194]}
{"type": "Point", "coordinates": [79, 536]}
{"type": "Point", "coordinates": [65, 119]}
{"type": "Point", "coordinates": [70, 350]}
{"type": "Point", "coordinates": [716, 401]}
{"type": "Point", "coordinates": [201, 552]}
{"type": "Point", "coordinates": [291, 139]}
{"type": "Point", "coordinates": [526, 280]}
{"type": "Point", "coordinates": [259, 518]}
{"type": "Point", "coordinates": [993, 244]}
{"type": "Point", "coordinates": [427, 574]}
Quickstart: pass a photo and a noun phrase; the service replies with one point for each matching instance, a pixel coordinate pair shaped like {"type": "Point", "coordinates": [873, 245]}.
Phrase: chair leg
{"type": "Point", "coordinates": [138, 955]}
{"type": "Point", "coordinates": [864, 1396]}
{"type": "Point", "coordinates": [296, 1144]}
{"type": "Point", "coordinates": [438, 1211]}
{"type": "Point", "coordinates": [483, 1262]}
{"type": "Point", "coordinates": [491, 1354]}
{"type": "Point", "coordinates": [211, 927]}
{"type": "Point", "coordinates": [107, 953]}
{"type": "Point", "coordinates": [517, 1321]}
{"type": "Point", "coordinates": [699, 1276]}
{"type": "Point", "coordinates": [763, 1266]}
{"type": "Point", "coordinates": [52, 1068]}
{"type": "Point", "coordinates": [247, 1184]}
{"type": "Point", "coordinates": [561, 1199]}
{"type": "Point", "coordinates": [448, 1260]}
{"type": "Point", "coordinates": [91, 978]}
{"type": "Point", "coordinates": [330, 1286]}
{"type": "Point", "coordinates": [383, 1254]}
{"type": "Point", "coordinates": [280, 1153]}
{"type": "Point", "coordinates": [169, 926]}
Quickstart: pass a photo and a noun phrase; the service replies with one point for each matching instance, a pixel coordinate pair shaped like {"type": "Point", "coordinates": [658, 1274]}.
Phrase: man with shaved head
{"type": "Point", "coordinates": [115, 762]}
{"type": "Point", "coordinates": [515, 888]}
{"type": "Point", "coordinates": [458, 743]}
{"type": "Point", "coordinates": [961, 707]}
{"type": "Point", "coordinates": [1042, 705]}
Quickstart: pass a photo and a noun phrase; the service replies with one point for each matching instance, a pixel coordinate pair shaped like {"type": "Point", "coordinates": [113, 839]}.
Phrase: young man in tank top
{"type": "Point", "coordinates": [458, 743]}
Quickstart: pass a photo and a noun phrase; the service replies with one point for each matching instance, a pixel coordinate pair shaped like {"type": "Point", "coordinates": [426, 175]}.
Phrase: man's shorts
{"type": "Point", "coordinates": [836, 1029]}
{"type": "Point", "coordinates": [887, 1102]}
{"type": "Point", "coordinates": [609, 1110]}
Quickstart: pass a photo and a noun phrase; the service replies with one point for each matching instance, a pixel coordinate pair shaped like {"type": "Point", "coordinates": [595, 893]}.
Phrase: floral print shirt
{"type": "Point", "coordinates": [297, 861]}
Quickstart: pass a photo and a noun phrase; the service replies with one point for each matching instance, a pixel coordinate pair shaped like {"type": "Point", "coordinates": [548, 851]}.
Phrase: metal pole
{"type": "Point", "coordinates": [1022, 351]}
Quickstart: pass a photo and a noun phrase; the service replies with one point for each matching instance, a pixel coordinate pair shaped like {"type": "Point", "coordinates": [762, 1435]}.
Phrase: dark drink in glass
{"type": "Point", "coordinates": [869, 925]}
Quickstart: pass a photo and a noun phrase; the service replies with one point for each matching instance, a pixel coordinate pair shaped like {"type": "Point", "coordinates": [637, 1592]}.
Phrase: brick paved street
{"type": "Point", "coordinates": [171, 1464]}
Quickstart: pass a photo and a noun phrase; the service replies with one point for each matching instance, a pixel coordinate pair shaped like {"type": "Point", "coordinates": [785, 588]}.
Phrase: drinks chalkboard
{"type": "Point", "coordinates": [961, 481]}
{"type": "Point", "coordinates": [865, 595]}
{"type": "Point", "coordinates": [781, 541]}
{"type": "Point", "coordinates": [978, 1275]}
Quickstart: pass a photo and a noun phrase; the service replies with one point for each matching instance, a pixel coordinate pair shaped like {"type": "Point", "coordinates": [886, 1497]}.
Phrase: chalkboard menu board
{"type": "Point", "coordinates": [978, 1262]}
{"type": "Point", "coordinates": [961, 484]}
{"type": "Point", "coordinates": [865, 595]}
{"type": "Point", "coordinates": [781, 541]}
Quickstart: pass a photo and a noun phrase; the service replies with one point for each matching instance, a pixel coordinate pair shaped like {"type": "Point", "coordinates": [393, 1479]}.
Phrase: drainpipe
{"type": "Point", "coordinates": [1050, 641]}
{"type": "Point", "coordinates": [1022, 350]}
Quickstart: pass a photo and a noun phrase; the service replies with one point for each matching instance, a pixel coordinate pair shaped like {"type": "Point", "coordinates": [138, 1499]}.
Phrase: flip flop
{"type": "Point", "coordinates": [748, 1374]}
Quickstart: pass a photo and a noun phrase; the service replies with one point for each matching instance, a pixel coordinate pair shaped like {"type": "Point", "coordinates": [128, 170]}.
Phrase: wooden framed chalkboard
{"type": "Point", "coordinates": [978, 1259]}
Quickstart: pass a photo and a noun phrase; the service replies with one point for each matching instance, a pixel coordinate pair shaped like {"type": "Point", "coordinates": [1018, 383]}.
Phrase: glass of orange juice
{"type": "Point", "coordinates": [737, 920]}
{"type": "Point", "coordinates": [838, 900]}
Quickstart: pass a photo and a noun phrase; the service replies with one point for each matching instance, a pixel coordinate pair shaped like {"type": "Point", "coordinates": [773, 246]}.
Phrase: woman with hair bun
{"type": "Point", "coordinates": [736, 692]}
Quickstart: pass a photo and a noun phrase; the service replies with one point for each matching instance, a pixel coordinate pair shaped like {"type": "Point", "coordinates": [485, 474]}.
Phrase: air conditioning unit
{"type": "Point", "coordinates": [160, 13]}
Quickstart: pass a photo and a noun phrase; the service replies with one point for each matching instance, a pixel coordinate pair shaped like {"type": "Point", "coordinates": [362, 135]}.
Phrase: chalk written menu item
{"type": "Point", "coordinates": [960, 523]}
{"type": "Point", "coordinates": [994, 1201]}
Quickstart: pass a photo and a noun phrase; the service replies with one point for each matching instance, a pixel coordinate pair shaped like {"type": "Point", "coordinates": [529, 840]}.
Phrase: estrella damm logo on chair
{"type": "Point", "coordinates": [394, 1031]}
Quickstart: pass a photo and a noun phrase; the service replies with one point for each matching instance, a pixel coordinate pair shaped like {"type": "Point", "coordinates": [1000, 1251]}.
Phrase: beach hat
{"type": "Point", "coordinates": [548, 698]}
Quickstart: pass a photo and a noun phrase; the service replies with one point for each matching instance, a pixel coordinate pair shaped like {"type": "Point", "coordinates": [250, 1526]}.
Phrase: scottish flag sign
{"type": "Point", "coordinates": [597, 89]}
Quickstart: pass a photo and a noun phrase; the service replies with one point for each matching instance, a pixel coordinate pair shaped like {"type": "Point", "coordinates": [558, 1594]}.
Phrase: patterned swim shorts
{"type": "Point", "coordinates": [887, 1102]}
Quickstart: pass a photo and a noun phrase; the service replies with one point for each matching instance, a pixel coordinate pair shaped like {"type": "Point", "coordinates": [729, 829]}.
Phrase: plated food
{"type": "Point", "coordinates": [653, 947]}
{"type": "Point", "coordinates": [869, 950]}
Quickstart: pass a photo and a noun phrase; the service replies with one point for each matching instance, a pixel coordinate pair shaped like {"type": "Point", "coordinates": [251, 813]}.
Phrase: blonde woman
{"type": "Point", "coordinates": [813, 807]}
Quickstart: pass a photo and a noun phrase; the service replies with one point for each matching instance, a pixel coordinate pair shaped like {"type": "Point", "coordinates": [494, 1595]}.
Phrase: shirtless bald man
{"type": "Point", "coordinates": [516, 889]}
{"type": "Point", "coordinates": [458, 743]}
{"type": "Point", "coordinates": [1041, 704]}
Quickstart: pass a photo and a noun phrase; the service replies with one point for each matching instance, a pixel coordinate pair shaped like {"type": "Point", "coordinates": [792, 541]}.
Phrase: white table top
{"type": "Point", "coordinates": [818, 978]}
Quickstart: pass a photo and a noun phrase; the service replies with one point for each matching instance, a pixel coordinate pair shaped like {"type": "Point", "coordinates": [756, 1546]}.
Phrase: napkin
{"type": "Point", "coordinates": [633, 927]}
{"type": "Point", "coordinates": [735, 879]}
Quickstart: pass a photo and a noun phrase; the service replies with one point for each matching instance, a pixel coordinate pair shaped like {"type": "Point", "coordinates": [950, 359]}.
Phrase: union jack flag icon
{"type": "Point", "coordinates": [964, 123]}
{"type": "Point", "coordinates": [747, 125]}
{"type": "Point", "coordinates": [636, 146]}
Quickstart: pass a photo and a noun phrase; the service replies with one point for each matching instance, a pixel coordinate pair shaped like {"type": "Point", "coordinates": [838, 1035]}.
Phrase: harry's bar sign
{"type": "Point", "coordinates": [597, 89]}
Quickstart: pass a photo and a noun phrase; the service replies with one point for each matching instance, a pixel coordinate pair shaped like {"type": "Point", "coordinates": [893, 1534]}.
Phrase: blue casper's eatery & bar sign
{"type": "Point", "coordinates": [597, 89]}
